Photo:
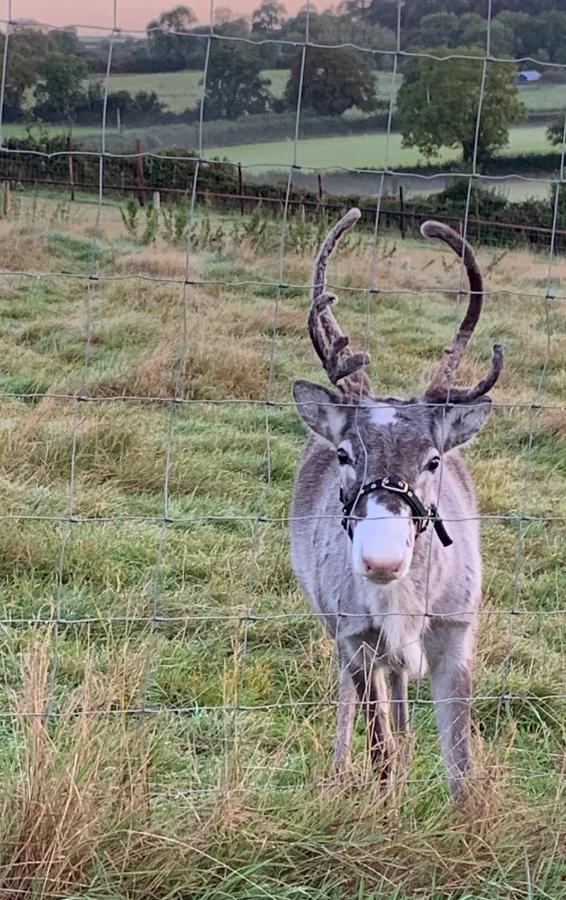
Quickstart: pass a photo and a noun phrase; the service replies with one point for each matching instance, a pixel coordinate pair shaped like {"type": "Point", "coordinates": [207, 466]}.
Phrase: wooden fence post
{"type": "Point", "coordinates": [71, 178]}
{"type": "Point", "coordinates": [320, 192]}
{"type": "Point", "coordinates": [401, 212]}
{"type": "Point", "coordinates": [140, 173]}
{"type": "Point", "coordinates": [7, 200]}
{"type": "Point", "coordinates": [241, 188]}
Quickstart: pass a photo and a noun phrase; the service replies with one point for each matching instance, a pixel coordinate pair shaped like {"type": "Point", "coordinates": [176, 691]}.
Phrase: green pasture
{"type": "Point", "coordinates": [361, 151]}
{"type": "Point", "coordinates": [178, 90]}
{"type": "Point", "coordinates": [166, 694]}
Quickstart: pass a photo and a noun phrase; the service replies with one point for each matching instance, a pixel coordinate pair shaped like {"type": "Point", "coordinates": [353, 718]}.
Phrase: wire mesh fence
{"type": "Point", "coordinates": [168, 527]}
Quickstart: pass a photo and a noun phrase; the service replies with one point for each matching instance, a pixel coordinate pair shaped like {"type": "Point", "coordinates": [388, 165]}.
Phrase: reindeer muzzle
{"type": "Point", "coordinates": [422, 515]}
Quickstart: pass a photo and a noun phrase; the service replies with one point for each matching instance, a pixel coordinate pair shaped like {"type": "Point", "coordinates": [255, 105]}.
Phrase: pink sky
{"type": "Point", "coordinates": [132, 14]}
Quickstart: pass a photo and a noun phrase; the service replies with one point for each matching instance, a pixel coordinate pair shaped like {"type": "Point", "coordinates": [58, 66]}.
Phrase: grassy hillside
{"type": "Point", "coordinates": [181, 89]}
{"type": "Point", "coordinates": [362, 150]}
{"type": "Point", "coordinates": [189, 690]}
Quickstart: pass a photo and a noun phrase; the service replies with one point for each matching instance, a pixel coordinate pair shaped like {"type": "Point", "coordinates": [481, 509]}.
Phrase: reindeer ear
{"type": "Point", "coordinates": [454, 425]}
{"type": "Point", "coordinates": [321, 410]}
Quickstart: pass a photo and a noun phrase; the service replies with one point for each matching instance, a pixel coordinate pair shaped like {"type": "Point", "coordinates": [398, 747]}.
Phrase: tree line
{"type": "Point", "coordinates": [437, 104]}
{"type": "Point", "coordinates": [518, 28]}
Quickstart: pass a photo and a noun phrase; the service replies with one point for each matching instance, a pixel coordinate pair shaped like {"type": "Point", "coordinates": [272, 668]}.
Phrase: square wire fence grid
{"type": "Point", "coordinates": [80, 399]}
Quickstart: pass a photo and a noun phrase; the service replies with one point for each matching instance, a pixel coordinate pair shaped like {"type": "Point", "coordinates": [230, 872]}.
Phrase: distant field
{"type": "Point", "coordinates": [181, 89]}
{"type": "Point", "coordinates": [544, 97]}
{"type": "Point", "coordinates": [360, 151]}
{"type": "Point", "coordinates": [20, 130]}
{"type": "Point", "coordinates": [178, 90]}
{"type": "Point", "coordinates": [349, 152]}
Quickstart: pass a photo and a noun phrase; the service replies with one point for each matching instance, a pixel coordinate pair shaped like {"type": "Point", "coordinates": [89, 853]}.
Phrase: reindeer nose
{"type": "Point", "coordinates": [382, 569]}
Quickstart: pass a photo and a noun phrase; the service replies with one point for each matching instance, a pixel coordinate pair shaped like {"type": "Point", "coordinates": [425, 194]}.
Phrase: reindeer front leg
{"type": "Point", "coordinates": [399, 702]}
{"type": "Point", "coordinates": [451, 686]}
{"type": "Point", "coordinates": [345, 716]}
{"type": "Point", "coordinates": [367, 673]}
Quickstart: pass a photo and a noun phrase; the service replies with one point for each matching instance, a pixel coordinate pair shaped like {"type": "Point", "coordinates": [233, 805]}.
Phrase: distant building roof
{"type": "Point", "coordinates": [529, 75]}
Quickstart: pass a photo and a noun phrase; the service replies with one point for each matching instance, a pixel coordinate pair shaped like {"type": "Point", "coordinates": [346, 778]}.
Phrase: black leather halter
{"type": "Point", "coordinates": [422, 515]}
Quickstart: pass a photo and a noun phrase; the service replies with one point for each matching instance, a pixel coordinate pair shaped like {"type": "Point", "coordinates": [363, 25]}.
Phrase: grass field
{"type": "Point", "coordinates": [544, 97]}
{"type": "Point", "coordinates": [188, 745]}
{"type": "Point", "coordinates": [181, 89]}
{"type": "Point", "coordinates": [362, 150]}
{"type": "Point", "coordinates": [346, 151]}
{"type": "Point", "coordinates": [178, 90]}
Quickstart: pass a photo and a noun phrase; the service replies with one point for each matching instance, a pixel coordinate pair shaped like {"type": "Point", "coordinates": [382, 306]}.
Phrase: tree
{"type": "Point", "coordinates": [223, 15]}
{"type": "Point", "coordinates": [167, 45]}
{"type": "Point", "coordinates": [60, 90]}
{"type": "Point", "coordinates": [27, 50]}
{"type": "Point", "coordinates": [65, 40]}
{"type": "Point", "coordinates": [439, 99]}
{"type": "Point", "coordinates": [234, 86]}
{"type": "Point", "coordinates": [555, 132]}
{"type": "Point", "coordinates": [142, 108]}
{"type": "Point", "coordinates": [268, 17]}
{"type": "Point", "coordinates": [441, 25]}
{"type": "Point", "coordinates": [334, 80]}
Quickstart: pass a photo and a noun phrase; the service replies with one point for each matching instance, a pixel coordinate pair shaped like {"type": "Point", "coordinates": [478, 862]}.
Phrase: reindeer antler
{"type": "Point", "coordinates": [331, 344]}
{"type": "Point", "coordinates": [440, 387]}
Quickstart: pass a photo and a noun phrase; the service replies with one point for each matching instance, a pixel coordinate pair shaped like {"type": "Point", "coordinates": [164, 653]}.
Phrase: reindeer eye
{"type": "Point", "coordinates": [343, 457]}
{"type": "Point", "coordinates": [433, 464]}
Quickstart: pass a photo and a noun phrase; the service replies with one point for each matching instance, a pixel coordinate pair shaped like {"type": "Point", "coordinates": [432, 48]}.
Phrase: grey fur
{"type": "Point", "coordinates": [429, 616]}
{"type": "Point", "coordinates": [378, 626]}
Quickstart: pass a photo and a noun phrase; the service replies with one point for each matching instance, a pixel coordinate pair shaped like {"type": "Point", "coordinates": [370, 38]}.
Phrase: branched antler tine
{"type": "Point", "coordinates": [453, 354]}
{"type": "Point", "coordinates": [335, 350]}
{"type": "Point", "coordinates": [350, 366]}
{"type": "Point", "coordinates": [441, 381]}
{"type": "Point", "coordinates": [468, 395]}
{"type": "Point", "coordinates": [327, 246]}
{"type": "Point", "coordinates": [328, 339]}
{"type": "Point", "coordinates": [321, 329]}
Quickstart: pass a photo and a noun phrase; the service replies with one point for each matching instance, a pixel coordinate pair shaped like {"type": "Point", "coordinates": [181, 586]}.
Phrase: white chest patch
{"type": "Point", "coordinates": [405, 641]}
{"type": "Point", "coordinates": [382, 414]}
{"type": "Point", "coordinates": [403, 626]}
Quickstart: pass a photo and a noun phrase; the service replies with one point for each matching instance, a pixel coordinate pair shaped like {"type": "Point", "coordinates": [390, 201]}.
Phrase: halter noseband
{"type": "Point", "coordinates": [422, 515]}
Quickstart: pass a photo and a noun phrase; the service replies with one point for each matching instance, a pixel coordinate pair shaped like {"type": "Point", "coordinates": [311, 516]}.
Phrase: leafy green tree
{"type": "Point", "coordinates": [441, 25]}
{"type": "Point", "coordinates": [334, 80]}
{"type": "Point", "coordinates": [457, 31]}
{"type": "Point", "coordinates": [142, 108]}
{"type": "Point", "coordinates": [234, 86]}
{"type": "Point", "coordinates": [60, 89]}
{"type": "Point", "coordinates": [65, 40]}
{"type": "Point", "coordinates": [555, 132]}
{"type": "Point", "coordinates": [27, 50]}
{"type": "Point", "coordinates": [439, 99]}
{"type": "Point", "coordinates": [268, 17]}
{"type": "Point", "coordinates": [167, 45]}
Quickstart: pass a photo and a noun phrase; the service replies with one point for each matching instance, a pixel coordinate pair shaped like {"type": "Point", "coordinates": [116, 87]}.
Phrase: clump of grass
{"type": "Point", "coordinates": [78, 785]}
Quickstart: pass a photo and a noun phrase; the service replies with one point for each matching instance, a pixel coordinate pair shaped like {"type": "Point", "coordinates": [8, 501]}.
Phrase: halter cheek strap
{"type": "Point", "coordinates": [422, 515]}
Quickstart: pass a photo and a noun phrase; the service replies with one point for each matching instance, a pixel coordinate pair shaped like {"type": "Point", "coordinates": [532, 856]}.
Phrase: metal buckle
{"type": "Point", "coordinates": [422, 524]}
{"type": "Point", "coordinates": [400, 488]}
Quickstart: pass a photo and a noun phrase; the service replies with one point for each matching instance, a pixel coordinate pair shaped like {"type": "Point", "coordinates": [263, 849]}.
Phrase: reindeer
{"type": "Point", "coordinates": [398, 597]}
